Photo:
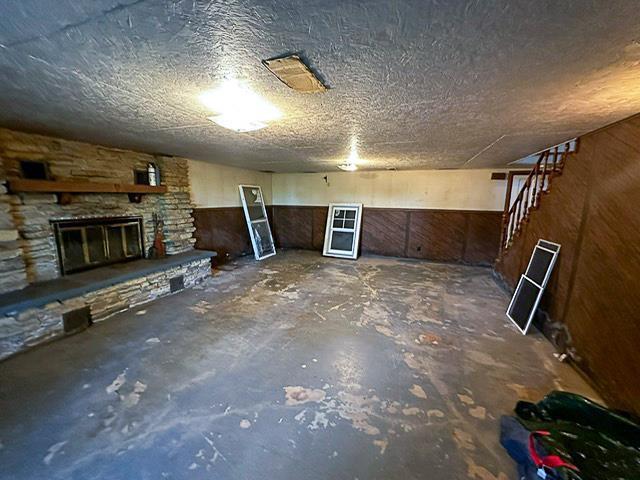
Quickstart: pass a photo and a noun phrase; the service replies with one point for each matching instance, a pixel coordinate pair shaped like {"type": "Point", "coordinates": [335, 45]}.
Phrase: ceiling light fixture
{"type": "Point", "coordinates": [238, 107]}
{"type": "Point", "coordinates": [348, 167]}
{"type": "Point", "coordinates": [237, 123]}
{"type": "Point", "coordinates": [351, 165]}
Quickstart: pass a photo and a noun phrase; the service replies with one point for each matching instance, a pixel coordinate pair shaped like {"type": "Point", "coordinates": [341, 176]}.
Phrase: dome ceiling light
{"type": "Point", "coordinates": [351, 165]}
{"type": "Point", "coordinates": [239, 108]}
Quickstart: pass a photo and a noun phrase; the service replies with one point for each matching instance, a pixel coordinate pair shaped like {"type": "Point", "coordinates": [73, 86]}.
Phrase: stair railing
{"type": "Point", "coordinates": [550, 163]}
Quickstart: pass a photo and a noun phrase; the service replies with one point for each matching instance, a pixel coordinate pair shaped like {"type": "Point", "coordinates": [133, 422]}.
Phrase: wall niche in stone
{"type": "Point", "coordinates": [35, 170]}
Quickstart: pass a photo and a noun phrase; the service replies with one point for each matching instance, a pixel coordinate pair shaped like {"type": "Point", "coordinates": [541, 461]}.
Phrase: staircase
{"type": "Point", "coordinates": [549, 165]}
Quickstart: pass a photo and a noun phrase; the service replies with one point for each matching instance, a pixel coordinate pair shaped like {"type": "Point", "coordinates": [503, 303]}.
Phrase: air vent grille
{"type": "Point", "coordinates": [176, 283]}
{"type": "Point", "coordinates": [76, 320]}
{"type": "Point", "coordinates": [295, 74]}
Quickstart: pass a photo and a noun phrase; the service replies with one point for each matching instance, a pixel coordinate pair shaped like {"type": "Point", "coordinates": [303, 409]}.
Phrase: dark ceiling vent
{"type": "Point", "coordinates": [295, 74]}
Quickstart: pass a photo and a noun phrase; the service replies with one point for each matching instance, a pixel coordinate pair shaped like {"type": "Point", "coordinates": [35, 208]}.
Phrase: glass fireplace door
{"type": "Point", "coordinates": [85, 244]}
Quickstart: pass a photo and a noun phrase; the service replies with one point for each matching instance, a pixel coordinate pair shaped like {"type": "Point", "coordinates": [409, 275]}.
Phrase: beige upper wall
{"type": "Point", "coordinates": [435, 189]}
{"type": "Point", "coordinates": [215, 185]}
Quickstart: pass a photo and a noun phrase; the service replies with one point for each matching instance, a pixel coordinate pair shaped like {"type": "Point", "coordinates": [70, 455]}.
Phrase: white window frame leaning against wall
{"type": "Point", "coordinates": [535, 277]}
{"type": "Point", "coordinates": [253, 224]}
{"type": "Point", "coordinates": [335, 211]}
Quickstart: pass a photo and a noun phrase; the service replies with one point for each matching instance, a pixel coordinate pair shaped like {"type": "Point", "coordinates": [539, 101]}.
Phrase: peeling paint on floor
{"type": "Point", "coordinates": [133, 398]}
{"type": "Point", "coordinates": [411, 411]}
{"type": "Point", "coordinates": [117, 383]}
{"type": "Point", "coordinates": [53, 450]}
{"type": "Point", "coordinates": [463, 439]}
{"type": "Point", "coordinates": [382, 444]}
{"type": "Point", "coordinates": [296, 395]}
{"type": "Point", "coordinates": [418, 391]}
{"type": "Point", "coordinates": [408, 366]}
{"type": "Point", "coordinates": [478, 472]}
{"type": "Point", "coordinates": [478, 412]}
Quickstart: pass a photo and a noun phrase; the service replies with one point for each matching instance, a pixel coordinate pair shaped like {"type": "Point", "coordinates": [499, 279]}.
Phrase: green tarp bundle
{"type": "Point", "coordinates": [588, 441]}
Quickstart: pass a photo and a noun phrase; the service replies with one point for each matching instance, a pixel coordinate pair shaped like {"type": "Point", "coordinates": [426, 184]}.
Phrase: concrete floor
{"type": "Point", "coordinates": [298, 367]}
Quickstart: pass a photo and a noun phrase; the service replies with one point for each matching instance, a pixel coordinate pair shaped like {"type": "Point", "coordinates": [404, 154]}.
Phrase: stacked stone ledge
{"type": "Point", "coordinates": [30, 327]}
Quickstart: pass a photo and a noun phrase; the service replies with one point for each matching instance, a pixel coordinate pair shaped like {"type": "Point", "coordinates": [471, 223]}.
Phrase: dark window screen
{"type": "Point", "coordinates": [342, 241]}
{"type": "Point", "coordinates": [549, 246]}
{"type": "Point", "coordinates": [540, 263]}
{"type": "Point", "coordinates": [523, 303]}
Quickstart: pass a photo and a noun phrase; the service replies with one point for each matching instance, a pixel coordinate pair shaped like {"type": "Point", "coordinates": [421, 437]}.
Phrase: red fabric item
{"type": "Point", "coordinates": [551, 461]}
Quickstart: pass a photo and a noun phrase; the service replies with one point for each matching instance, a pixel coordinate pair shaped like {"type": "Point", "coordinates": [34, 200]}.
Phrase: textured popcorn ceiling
{"type": "Point", "coordinates": [423, 84]}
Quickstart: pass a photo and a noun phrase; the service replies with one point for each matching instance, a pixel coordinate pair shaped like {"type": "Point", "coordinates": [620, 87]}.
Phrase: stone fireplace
{"type": "Point", "coordinates": [92, 243]}
{"type": "Point", "coordinates": [77, 241]}
{"type": "Point", "coordinates": [35, 218]}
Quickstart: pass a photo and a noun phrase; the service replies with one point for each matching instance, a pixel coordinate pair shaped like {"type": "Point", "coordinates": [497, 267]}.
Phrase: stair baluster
{"type": "Point", "coordinates": [537, 183]}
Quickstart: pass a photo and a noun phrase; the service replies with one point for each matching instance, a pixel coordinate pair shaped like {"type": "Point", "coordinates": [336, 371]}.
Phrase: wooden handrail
{"type": "Point", "coordinates": [536, 184]}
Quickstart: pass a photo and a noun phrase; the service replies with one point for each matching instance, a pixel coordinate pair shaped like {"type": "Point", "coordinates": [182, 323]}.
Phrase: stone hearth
{"type": "Point", "coordinates": [35, 314]}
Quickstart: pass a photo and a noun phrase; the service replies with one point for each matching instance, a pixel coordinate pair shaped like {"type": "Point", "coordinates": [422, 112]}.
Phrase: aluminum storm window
{"type": "Point", "coordinates": [342, 235]}
{"type": "Point", "coordinates": [257, 221]}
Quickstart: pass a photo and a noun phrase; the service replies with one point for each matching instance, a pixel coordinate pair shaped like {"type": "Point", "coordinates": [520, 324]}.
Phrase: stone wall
{"type": "Point", "coordinates": [27, 242]}
{"type": "Point", "coordinates": [37, 325]}
{"type": "Point", "coordinates": [13, 275]}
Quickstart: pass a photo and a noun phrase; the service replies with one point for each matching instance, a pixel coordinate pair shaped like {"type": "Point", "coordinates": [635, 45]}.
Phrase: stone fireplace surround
{"type": "Point", "coordinates": [28, 252]}
{"type": "Point", "coordinates": [27, 216]}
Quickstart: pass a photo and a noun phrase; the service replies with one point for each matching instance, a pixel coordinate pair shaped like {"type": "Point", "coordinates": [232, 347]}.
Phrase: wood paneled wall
{"type": "Point", "coordinates": [593, 212]}
{"type": "Point", "coordinates": [469, 237]}
{"type": "Point", "coordinates": [440, 235]}
{"type": "Point", "coordinates": [224, 230]}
